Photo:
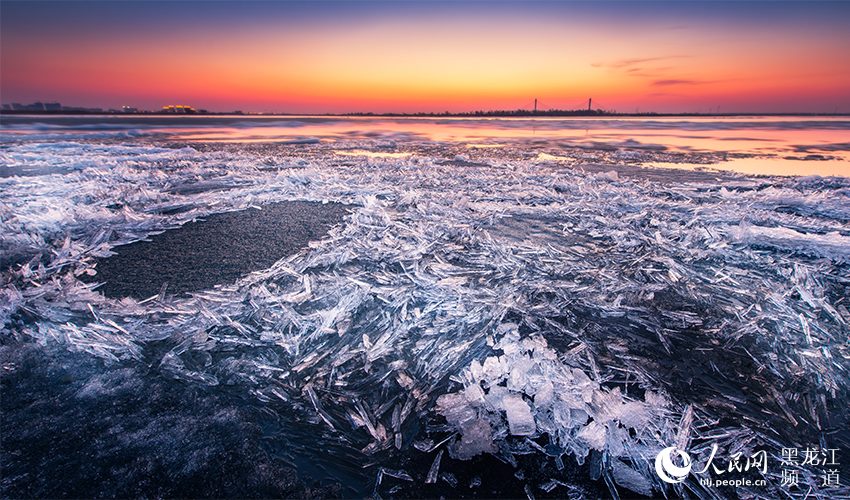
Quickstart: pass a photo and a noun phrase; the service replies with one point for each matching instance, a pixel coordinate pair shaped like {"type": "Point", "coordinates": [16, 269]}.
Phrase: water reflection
{"type": "Point", "coordinates": [797, 145]}
{"type": "Point", "coordinates": [771, 166]}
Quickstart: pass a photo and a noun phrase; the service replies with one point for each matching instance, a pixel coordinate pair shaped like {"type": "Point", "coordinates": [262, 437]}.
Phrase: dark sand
{"type": "Point", "coordinates": [218, 250]}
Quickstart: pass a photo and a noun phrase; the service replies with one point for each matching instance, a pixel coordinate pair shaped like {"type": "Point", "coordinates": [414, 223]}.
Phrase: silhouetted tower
{"type": "Point", "coordinates": [589, 101]}
{"type": "Point", "coordinates": [535, 106]}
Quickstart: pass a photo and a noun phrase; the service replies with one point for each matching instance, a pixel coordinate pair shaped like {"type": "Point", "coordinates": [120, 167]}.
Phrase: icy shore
{"type": "Point", "coordinates": [496, 304]}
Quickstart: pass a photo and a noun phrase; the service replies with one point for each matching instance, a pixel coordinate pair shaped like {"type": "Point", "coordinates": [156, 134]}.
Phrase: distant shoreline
{"type": "Point", "coordinates": [476, 114]}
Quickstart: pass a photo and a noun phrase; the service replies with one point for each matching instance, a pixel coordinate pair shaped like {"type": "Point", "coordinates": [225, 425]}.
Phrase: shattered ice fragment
{"type": "Point", "coordinates": [456, 408]}
{"type": "Point", "coordinates": [593, 434]}
{"type": "Point", "coordinates": [610, 175]}
{"type": "Point", "coordinates": [424, 445]}
{"type": "Point", "coordinates": [545, 395]}
{"type": "Point", "coordinates": [449, 478]}
{"type": "Point", "coordinates": [630, 479]}
{"type": "Point", "coordinates": [494, 397]}
{"type": "Point", "coordinates": [551, 484]}
{"type": "Point", "coordinates": [396, 473]}
{"type": "Point", "coordinates": [474, 394]}
{"type": "Point", "coordinates": [476, 438]}
{"type": "Point", "coordinates": [435, 469]}
{"type": "Point", "coordinates": [520, 419]}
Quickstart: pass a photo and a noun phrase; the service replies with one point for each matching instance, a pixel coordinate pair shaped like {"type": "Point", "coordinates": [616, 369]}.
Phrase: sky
{"type": "Point", "coordinates": [407, 56]}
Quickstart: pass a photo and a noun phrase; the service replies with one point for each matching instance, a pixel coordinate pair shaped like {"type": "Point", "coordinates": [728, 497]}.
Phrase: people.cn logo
{"type": "Point", "coordinates": [667, 470]}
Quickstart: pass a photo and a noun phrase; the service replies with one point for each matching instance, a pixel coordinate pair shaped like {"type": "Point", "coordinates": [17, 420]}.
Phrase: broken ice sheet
{"type": "Point", "coordinates": [578, 413]}
{"type": "Point", "coordinates": [635, 297]}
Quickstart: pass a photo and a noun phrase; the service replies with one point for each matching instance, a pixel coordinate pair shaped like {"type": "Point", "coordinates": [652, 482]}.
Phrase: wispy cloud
{"type": "Point", "coordinates": [657, 71]}
{"type": "Point", "coordinates": [630, 63]}
{"type": "Point", "coordinates": [680, 82]}
{"type": "Point", "coordinates": [648, 73]}
{"type": "Point", "coordinates": [660, 70]}
{"type": "Point", "coordinates": [674, 81]}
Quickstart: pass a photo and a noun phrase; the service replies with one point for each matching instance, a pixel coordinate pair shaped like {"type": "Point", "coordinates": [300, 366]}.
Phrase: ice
{"type": "Point", "coordinates": [456, 408]}
{"type": "Point", "coordinates": [593, 436]}
{"type": "Point", "coordinates": [831, 244]}
{"type": "Point", "coordinates": [520, 420]}
{"type": "Point", "coordinates": [476, 438]}
{"type": "Point", "coordinates": [631, 479]}
{"type": "Point", "coordinates": [463, 307]}
{"type": "Point", "coordinates": [435, 469]}
{"type": "Point", "coordinates": [577, 412]}
{"type": "Point", "coordinates": [398, 474]}
{"type": "Point", "coordinates": [449, 478]}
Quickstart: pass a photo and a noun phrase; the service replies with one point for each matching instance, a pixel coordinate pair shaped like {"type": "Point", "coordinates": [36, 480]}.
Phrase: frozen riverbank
{"type": "Point", "coordinates": [570, 315]}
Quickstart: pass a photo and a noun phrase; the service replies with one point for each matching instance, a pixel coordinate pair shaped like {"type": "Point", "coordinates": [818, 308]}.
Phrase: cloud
{"type": "Point", "coordinates": [632, 62]}
{"type": "Point", "coordinates": [648, 73]}
{"type": "Point", "coordinates": [674, 81]}
{"type": "Point", "coordinates": [679, 81]}
{"type": "Point", "coordinates": [657, 70]}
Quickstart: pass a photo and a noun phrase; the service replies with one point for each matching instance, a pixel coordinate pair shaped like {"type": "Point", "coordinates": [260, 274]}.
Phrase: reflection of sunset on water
{"type": "Point", "coordinates": [794, 148]}
{"type": "Point", "coordinates": [777, 145]}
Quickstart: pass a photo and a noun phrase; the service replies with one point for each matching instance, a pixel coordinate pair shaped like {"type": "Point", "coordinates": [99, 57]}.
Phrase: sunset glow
{"type": "Point", "coordinates": [499, 249]}
{"type": "Point", "coordinates": [343, 57]}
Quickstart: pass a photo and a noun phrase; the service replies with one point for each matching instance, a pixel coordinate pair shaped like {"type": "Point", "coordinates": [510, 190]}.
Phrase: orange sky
{"type": "Point", "coordinates": [441, 58]}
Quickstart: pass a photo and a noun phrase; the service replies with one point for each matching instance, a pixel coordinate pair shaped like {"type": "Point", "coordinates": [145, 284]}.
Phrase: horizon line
{"type": "Point", "coordinates": [481, 113]}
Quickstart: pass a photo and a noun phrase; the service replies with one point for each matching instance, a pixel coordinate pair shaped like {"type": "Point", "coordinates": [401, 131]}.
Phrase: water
{"type": "Point", "coordinates": [695, 304]}
{"type": "Point", "coordinates": [774, 145]}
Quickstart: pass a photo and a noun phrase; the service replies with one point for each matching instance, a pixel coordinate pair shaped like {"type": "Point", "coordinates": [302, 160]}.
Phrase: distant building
{"type": "Point", "coordinates": [179, 109]}
{"type": "Point", "coordinates": [47, 107]}
{"type": "Point", "coordinates": [129, 109]}
{"type": "Point", "coordinates": [36, 106]}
